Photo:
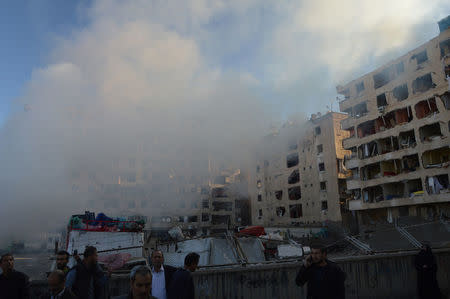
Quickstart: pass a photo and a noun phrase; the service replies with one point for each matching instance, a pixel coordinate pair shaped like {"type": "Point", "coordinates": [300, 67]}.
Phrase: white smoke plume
{"type": "Point", "coordinates": [186, 80]}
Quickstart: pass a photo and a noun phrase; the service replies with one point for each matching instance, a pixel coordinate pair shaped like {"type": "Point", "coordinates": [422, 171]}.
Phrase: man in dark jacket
{"type": "Point", "coordinates": [86, 279]}
{"type": "Point", "coordinates": [325, 279]}
{"type": "Point", "coordinates": [140, 283]}
{"type": "Point", "coordinates": [57, 288]}
{"type": "Point", "coordinates": [182, 285]}
{"type": "Point", "coordinates": [13, 284]}
{"type": "Point", "coordinates": [161, 275]}
{"type": "Point", "coordinates": [426, 266]}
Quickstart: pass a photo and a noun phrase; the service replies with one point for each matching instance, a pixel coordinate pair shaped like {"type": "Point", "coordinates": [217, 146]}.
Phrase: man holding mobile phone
{"type": "Point", "coordinates": [325, 279]}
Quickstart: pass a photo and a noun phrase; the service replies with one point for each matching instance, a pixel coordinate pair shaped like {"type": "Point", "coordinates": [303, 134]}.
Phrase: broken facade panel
{"type": "Point", "coordinates": [445, 47]}
{"type": "Point", "coordinates": [390, 167]}
{"type": "Point", "coordinates": [381, 100]}
{"type": "Point", "coordinates": [365, 129]}
{"type": "Point", "coordinates": [295, 193]}
{"type": "Point", "coordinates": [437, 184]}
{"type": "Point", "coordinates": [368, 150]}
{"type": "Point", "coordinates": [420, 57]}
{"type": "Point", "coordinates": [445, 98]}
{"type": "Point", "coordinates": [352, 132]}
{"type": "Point", "coordinates": [393, 190]}
{"type": "Point", "coordinates": [220, 219]}
{"type": "Point", "coordinates": [407, 139]}
{"type": "Point", "coordinates": [388, 74]}
{"type": "Point", "coordinates": [373, 194]}
{"type": "Point", "coordinates": [222, 206]}
{"type": "Point", "coordinates": [401, 92]}
{"type": "Point", "coordinates": [292, 160]}
{"type": "Point", "coordinates": [295, 211]}
{"type": "Point", "coordinates": [360, 110]}
{"type": "Point", "coordinates": [221, 192]}
{"type": "Point", "coordinates": [414, 187]}
{"type": "Point", "coordinates": [387, 145]}
{"type": "Point", "coordinates": [385, 122]}
{"type": "Point", "coordinates": [410, 163]}
{"type": "Point", "coordinates": [430, 132]}
{"type": "Point", "coordinates": [279, 194]}
{"type": "Point", "coordinates": [360, 87]}
{"type": "Point", "coordinates": [281, 211]}
{"type": "Point", "coordinates": [205, 217]}
{"type": "Point", "coordinates": [370, 172]}
{"type": "Point", "coordinates": [423, 83]}
{"type": "Point", "coordinates": [403, 115]}
{"type": "Point", "coordinates": [436, 158]}
{"type": "Point", "coordinates": [426, 108]}
{"type": "Point", "coordinates": [294, 177]}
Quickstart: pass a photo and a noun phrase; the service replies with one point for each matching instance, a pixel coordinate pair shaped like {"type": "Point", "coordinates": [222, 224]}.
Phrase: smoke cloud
{"type": "Point", "coordinates": [183, 81]}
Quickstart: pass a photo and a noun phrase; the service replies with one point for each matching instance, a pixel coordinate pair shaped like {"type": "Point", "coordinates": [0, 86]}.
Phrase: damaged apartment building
{"type": "Point", "coordinates": [193, 196]}
{"type": "Point", "coordinates": [300, 176]}
{"type": "Point", "coordinates": [399, 140]}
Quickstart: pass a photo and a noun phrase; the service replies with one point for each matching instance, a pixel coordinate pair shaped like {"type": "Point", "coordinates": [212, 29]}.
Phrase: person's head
{"type": "Point", "coordinates": [157, 259]}
{"type": "Point", "coordinates": [62, 259]}
{"type": "Point", "coordinates": [191, 261]}
{"type": "Point", "coordinates": [56, 282]}
{"type": "Point", "coordinates": [7, 262]}
{"type": "Point", "coordinates": [426, 247]}
{"type": "Point", "coordinates": [141, 282]}
{"type": "Point", "coordinates": [318, 253]}
{"type": "Point", "coordinates": [90, 256]}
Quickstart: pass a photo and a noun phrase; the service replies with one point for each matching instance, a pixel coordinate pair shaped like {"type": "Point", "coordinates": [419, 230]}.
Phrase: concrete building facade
{"type": "Point", "coordinates": [399, 122]}
{"type": "Point", "coordinates": [201, 201]}
{"type": "Point", "coordinates": [300, 176]}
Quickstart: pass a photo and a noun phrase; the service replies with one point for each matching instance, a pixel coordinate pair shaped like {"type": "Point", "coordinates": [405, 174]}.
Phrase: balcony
{"type": "Point", "coordinates": [353, 184]}
{"type": "Point", "coordinates": [350, 142]}
{"type": "Point", "coordinates": [352, 163]}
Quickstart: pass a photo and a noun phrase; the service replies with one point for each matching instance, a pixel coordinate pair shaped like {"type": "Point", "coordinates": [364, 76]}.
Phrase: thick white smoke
{"type": "Point", "coordinates": [186, 80]}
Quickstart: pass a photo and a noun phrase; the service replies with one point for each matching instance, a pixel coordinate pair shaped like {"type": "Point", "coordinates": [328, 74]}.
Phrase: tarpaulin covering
{"type": "Point", "coordinates": [288, 250]}
{"type": "Point", "coordinates": [115, 261]}
{"type": "Point", "coordinates": [175, 253]}
{"type": "Point", "coordinates": [79, 239]}
{"type": "Point", "coordinates": [221, 252]}
{"type": "Point", "coordinates": [253, 231]}
{"type": "Point", "coordinates": [253, 249]}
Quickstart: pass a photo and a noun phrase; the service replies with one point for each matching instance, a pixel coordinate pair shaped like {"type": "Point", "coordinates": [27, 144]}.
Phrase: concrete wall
{"type": "Point", "coordinates": [382, 276]}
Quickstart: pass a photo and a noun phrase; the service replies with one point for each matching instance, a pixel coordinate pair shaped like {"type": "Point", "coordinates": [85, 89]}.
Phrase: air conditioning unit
{"type": "Point", "coordinates": [381, 109]}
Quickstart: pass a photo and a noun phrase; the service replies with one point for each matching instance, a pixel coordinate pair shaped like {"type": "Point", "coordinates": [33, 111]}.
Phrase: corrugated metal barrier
{"type": "Point", "coordinates": [380, 276]}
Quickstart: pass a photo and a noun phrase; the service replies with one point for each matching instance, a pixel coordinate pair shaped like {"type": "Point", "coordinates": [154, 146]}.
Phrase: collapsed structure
{"type": "Point", "coordinates": [398, 124]}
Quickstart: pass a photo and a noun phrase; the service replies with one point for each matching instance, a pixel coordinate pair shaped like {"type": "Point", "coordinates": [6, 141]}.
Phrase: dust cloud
{"type": "Point", "coordinates": [180, 83]}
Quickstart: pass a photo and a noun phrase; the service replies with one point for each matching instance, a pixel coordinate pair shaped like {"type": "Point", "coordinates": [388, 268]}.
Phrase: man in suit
{"type": "Point", "coordinates": [162, 275]}
{"type": "Point", "coordinates": [57, 286]}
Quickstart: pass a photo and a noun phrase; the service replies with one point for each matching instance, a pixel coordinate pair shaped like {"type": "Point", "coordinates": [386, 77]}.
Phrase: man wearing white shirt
{"type": "Point", "coordinates": [162, 275]}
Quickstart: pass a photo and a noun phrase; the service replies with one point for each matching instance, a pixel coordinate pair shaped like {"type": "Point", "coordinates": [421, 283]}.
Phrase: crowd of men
{"type": "Point", "coordinates": [87, 280]}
